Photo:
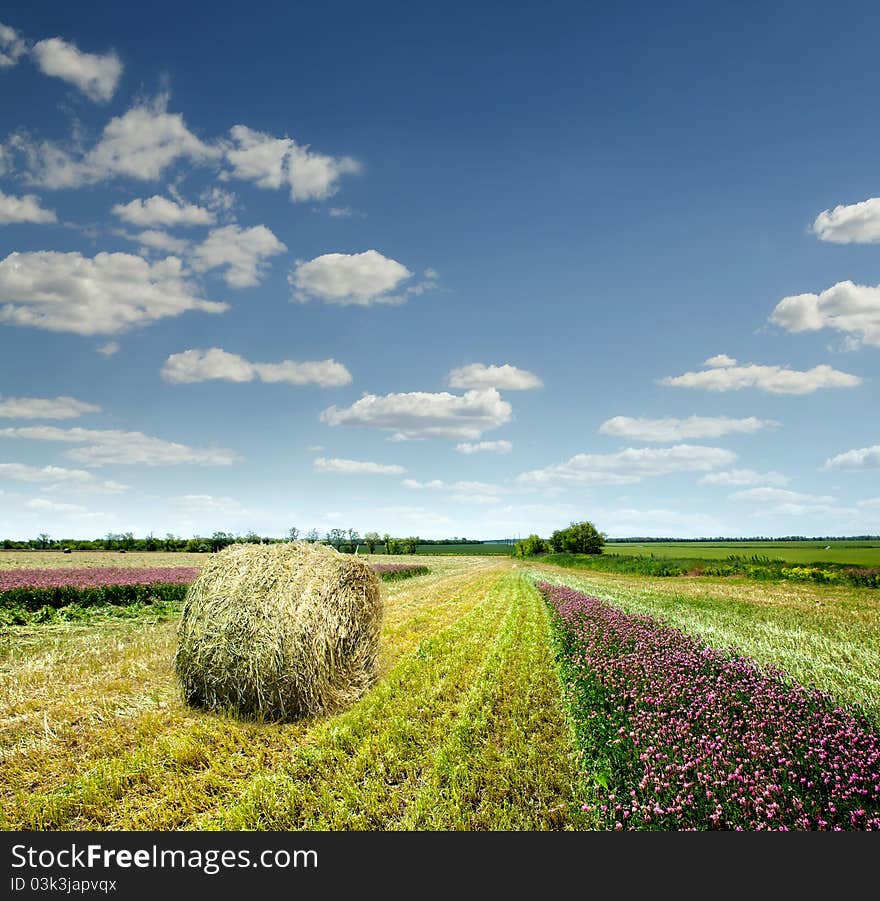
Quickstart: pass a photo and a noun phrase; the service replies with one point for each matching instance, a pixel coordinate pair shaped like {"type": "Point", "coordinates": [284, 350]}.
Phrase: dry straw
{"type": "Point", "coordinates": [279, 631]}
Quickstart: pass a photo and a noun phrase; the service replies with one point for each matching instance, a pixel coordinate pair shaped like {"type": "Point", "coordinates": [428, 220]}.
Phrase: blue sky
{"type": "Point", "coordinates": [451, 271]}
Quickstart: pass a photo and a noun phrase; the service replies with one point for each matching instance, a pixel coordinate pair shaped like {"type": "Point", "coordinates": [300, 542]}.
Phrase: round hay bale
{"type": "Point", "coordinates": [279, 631]}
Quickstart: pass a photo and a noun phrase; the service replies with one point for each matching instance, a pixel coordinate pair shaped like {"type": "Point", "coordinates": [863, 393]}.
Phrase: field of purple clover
{"type": "Point", "coordinates": [678, 735]}
{"type": "Point", "coordinates": [94, 577]}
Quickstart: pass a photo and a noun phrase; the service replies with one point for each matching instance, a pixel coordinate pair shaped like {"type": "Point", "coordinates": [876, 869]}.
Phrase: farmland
{"type": "Point", "coordinates": [856, 553]}
{"type": "Point", "coordinates": [470, 725]}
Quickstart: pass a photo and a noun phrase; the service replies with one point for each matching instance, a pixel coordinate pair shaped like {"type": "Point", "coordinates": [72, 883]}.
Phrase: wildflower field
{"type": "Point", "coordinates": [511, 696]}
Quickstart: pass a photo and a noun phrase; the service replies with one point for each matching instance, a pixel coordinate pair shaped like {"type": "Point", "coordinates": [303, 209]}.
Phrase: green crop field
{"type": "Point", "coordinates": [857, 553]}
{"type": "Point", "coordinates": [468, 727]}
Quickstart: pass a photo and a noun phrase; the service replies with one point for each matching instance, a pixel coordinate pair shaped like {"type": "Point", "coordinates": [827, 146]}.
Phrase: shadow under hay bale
{"type": "Point", "coordinates": [279, 631]}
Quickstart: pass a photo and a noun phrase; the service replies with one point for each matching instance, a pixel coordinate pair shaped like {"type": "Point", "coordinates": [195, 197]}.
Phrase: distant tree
{"type": "Point", "coordinates": [410, 544]}
{"type": "Point", "coordinates": [578, 538]}
{"type": "Point", "coordinates": [313, 536]}
{"type": "Point", "coordinates": [371, 539]}
{"type": "Point", "coordinates": [151, 543]}
{"type": "Point", "coordinates": [335, 537]}
{"type": "Point", "coordinates": [387, 541]}
{"type": "Point", "coordinates": [531, 546]}
{"type": "Point", "coordinates": [353, 539]}
{"type": "Point", "coordinates": [292, 533]}
{"type": "Point", "coordinates": [252, 538]}
{"type": "Point", "coordinates": [43, 541]}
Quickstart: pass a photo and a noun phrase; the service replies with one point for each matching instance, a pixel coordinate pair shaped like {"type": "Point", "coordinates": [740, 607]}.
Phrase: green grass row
{"type": "Point", "coordinates": [852, 552]}
{"type": "Point", "coordinates": [755, 567]}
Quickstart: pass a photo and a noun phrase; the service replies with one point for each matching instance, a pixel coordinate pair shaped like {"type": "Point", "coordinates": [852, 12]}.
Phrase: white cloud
{"type": "Point", "coordinates": [12, 47]}
{"type": "Point", "coordinates": [103, 295]}
{"type": "Point", "coordinates": [218, 200]}
{"type": "Point", "coordinates": [61, 407]}
{"type": "Point", "coordinates": [719, 360]}
{"type": "Point", "coordinates": [215, 363]}
{"type": "Point", "coordinates": [506, 377]}
{"type": "Point", "coordinates": [356, 467]}
{"type": "Point", "coordinates": [461, 489]}
{"type": "Point", "coordinates": [275, 162]}
{"type": "Point", "coordinates": [57, 478]}
{"type": "Point", "coordinates": [420, 414]}
{"type": "Point", "coordinates": [781, 502]}
{"type": "Point", "coordinates": [736, 477]}
{"type": "Point", "coordinates": [152, 239]}
{"type": "Point", "coordinates": [241, 252]}
{"type": "Point", "coordinates": [96, 75]}
{"type": "Point", "coordinates": [158, 210]}
{"type": "Point", "coordinates": [845, 307]}
{"type": "Point", "coordinates": [629, 465]}
{"type": "Point", "coordinates": [861, 458]}
{"type": "Point", "coordinates": [773, 379]}
{"type": "Point", "coordinates": [870, 502]}
{"type": "Point", "coordinates": [191, 504]}
{"type": "Point", "coordinates": [41, 505]}
{"type": "Point", "coordinates": [668, 429]}
{"type": "Point", "coordinates": [141, 144]}
{"type": "Point", "coordinates": [109, 349]}
{"type": "Point", "coordinates": [359, 279]}
{"type": "Point", "coordinates": [779, 495]}
{"type": "Point", "coordinates": [339, 212]}
{"type": "Point", "coordinates": [23, 209]}
{"type": "Point", "coordinates": [484, 447]}
{"type": "Point", "coordinates": [855, 223]}
{"type": "Point", "coordinates": [103, 446]}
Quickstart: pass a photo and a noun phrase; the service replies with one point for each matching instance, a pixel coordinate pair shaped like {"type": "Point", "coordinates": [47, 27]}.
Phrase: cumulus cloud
{"type": "Point", "coordinates": [23, 209]}
{"type": "Point", "coordinates": [420, 414]}
{"type": "Point", "coordinates": [860, 458]}
{"type": "Point", "coordinates": [736, 477]}
{"type": "Point", "coordinates": [153, 239]}
{"type": "Point", "coordinates": [109, 349]}
{"type": "Point", "coordinates": [694, 427]}
{"type": "Point", "coordinates": [281, 162]}
{"type": "Point", "coordinates": [484, 447]}
{"type": "Point", "coordinates": [356, 467]}
{"type": "Point", "coordinates": [359, 279]}
{"type": "Point", "coordinates": [96, 75]}
{"type": "Point", "coordinates": [434, 484]}
{"type": "Point", "coordinates": [719, 360]}
{"type": "Point", "coordinates": [57, 478]}
{"type": "Point", "coordinates": [103, 446]}
{"type": "Point", "coordinates": [141, 144]}
{"type": "Point", "coordinates": [61, 407]}
{"type": "Point", "coordinates": [772, 379]}
{"type": "Point", "coordinates": [216, 363]}
{"type": "Point", "coordinates": [506, 377]}
{"type": "Point", "coordinates": [845, 307]}
{"type": "Point", "coordinates": [162, 211]}
{"type": "Point", "coordinates": [240, 252]}
{"type": "Point", "coordinates": [102, 295]}
{"type": "Point", "coordinates": [628, 466]}
{"type": "Point", "coordinates": [12, 47]}
{"type": "Point", "coordinates": [855, 223]}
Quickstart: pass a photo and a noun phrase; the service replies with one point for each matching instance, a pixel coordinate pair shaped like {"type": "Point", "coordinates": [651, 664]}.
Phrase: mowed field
{"type": "Point", "coordinates": [857, 553]}
{"type": "Point", "coordinates": [467, 727]}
